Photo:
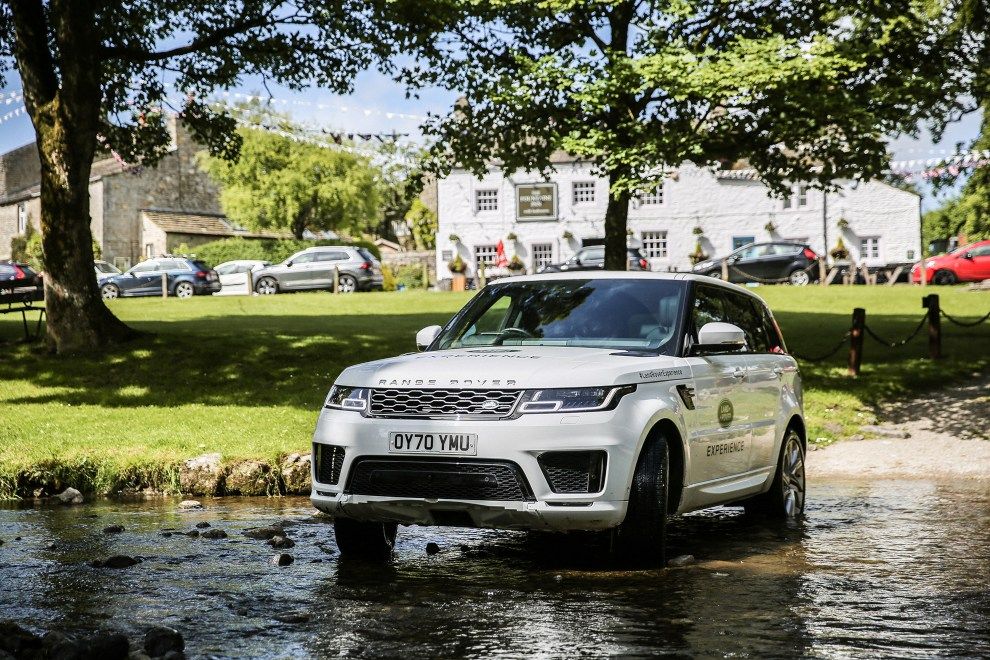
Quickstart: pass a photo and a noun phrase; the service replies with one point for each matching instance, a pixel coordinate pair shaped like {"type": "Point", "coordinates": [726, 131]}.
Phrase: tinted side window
{"type": "Point", "coordinates": [367, 256]}
{"type": "Point", "coordinates": [303, 258]}
{"type": "Point", "coordinates": [708, 308]}
{"type": "Point", "coordinates": [774, 339]}
{"type": "Point", "coordinates": [740, 312]}
{"type": "Point", "coordinates": [145, 267]}
{"type": "Point", "coordinates": [331, 256]}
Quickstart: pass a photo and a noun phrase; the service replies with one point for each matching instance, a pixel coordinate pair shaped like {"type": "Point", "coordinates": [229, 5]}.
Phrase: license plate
{"type": "Point", "coordinates": [446, 444]}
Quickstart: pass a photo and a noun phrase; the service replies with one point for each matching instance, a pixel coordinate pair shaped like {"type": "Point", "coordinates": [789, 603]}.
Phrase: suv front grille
{"type": "Point", "coordinates": [433, 403]}
{"type": "Point", "coordinates": [329, 461]}
{"type": "Point", "coordinates": [439, 480]}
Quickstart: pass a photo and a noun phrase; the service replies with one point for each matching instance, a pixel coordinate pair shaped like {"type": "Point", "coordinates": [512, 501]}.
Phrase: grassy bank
{"type": "Point", "coordinates": [245, 376]}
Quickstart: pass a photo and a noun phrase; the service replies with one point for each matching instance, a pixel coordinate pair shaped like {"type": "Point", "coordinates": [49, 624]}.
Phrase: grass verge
{"type": "Point", "coordinates": [245, 376]}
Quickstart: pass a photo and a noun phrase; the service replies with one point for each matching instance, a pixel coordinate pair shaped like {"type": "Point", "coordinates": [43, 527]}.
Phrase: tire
{"type": "Point", "coordinates": [184, 290]}
{"type": "Point", "coordinates": [367, 541]}
{"type": "Point", "coordinates": [799, 277]}
{"type": "Point", "coordinates": [266, 286]}
{"type": "Point", "coordinates": [346, 284]}
{"type": "Point", "coordinates": [110, 291]}
{"type": "Point", "coordinates": [786, 497]}
{"type": "Point", "coordinates": [641, 539]}
{"type": "Point", "coordinates": [943, 276]}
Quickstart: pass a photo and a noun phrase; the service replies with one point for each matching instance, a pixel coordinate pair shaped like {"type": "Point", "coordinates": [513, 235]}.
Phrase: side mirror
{"type": "Point", "coordinates": [968, 255]}
{"type": "Point", "coordinates": [288, 263]}
{"type": "Point", "coordinates": [719, 338]}
{"type": "Point", "coordinates": [426, 336]}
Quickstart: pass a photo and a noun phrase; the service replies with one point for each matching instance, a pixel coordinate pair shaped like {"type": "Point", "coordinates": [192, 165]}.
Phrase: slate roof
{"type": "Point", "coordinates": [206, 224]}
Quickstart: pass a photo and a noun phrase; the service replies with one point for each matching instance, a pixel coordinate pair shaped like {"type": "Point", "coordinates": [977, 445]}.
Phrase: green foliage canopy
{"type": "Point", "coordinates": [422, 223]}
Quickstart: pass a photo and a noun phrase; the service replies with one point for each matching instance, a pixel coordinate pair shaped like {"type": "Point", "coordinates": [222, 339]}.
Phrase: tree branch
{"type": "Point", "coordinates": [30, 48]}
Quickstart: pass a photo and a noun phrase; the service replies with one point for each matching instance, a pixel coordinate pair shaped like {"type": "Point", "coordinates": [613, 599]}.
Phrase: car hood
{"type": "Point", "coordinates": [512, 367]}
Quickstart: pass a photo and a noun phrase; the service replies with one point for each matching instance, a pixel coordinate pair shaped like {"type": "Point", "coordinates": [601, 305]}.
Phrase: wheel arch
{"type": "Point", "coordinates": [797, 423]}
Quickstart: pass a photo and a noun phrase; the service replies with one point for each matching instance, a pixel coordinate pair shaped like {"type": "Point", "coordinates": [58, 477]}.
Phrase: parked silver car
{"type": "Point", "coordinates": [313, 268]}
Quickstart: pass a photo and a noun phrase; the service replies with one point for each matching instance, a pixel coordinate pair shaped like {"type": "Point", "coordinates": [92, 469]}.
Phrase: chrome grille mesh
{"type": "Point", "coordinates": [442, 403]}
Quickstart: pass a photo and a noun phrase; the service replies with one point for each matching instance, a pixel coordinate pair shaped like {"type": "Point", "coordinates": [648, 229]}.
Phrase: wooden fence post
{"type": "Point", "coordinates": [725, 270]}
{"type": "Point", "coordinates": [823, 278]}
{"type": "Point", "coordinates": [931, 303]}
{"type": "Point", "coordinates": [336, 279]}
{"type": "Point", "coordinates": [856, 340]}
{"type": "Point", "coordinates": [249, 276]}
{"type": "Point", "coordinates": [164, 285]}
{"type": "Point", "coordinates": [426, 275]}
{"type": "Point", "coordinates": [481, 276]}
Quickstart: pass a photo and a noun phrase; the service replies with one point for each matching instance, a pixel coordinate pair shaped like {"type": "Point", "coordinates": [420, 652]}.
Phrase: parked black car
{"type": "Point", "coordinates": [14, 275]}
{"type": "Point", "coordinates": [185, 277]}
{"type": "Point", "coordinates": [593, 258]}
{"type": "Point", "coordinates": [762, 262]}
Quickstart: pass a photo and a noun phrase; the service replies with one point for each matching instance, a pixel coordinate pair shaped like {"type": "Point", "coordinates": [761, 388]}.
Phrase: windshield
{"type": "Point", "coordinates": [635, 314]}
{"type": "Point", "coordinates": [104, 267]}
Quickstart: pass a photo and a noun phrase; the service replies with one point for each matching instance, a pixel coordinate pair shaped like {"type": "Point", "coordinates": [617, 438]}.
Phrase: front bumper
{"type": "Point", "coordinates": [519, 441]}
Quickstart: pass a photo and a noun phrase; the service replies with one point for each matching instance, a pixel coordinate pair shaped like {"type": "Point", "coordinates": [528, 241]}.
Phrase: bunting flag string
{"type": "Point", "coordinates": [13, 113]}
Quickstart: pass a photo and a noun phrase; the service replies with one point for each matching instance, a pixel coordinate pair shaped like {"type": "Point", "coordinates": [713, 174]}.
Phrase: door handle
{"type": "Point", "coordinates": [778, 372]}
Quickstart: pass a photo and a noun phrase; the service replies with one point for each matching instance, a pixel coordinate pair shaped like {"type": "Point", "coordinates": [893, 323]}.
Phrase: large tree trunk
{"type": "Point", "coordinates": [65, 112]}
{"type": "Point", "coordinates": [616, 217]}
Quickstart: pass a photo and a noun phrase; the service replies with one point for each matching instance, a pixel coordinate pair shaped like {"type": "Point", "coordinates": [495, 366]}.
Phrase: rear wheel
{"type": "Point", "coordinates": [266, 286]}
{"type": "Point", "coordinates": [799, 278]}
{"type": "Point", "coordinates": [110, 291]}
{"type": "Point", "coordinates": [346, 284]}
{"type": "Point", "coordinates": [368, 541]}
{"type": "Point", "coordinates": [642, 537]}
{"type": "Point", "coordinates": [785, 499]}
{"type": "Point", "coordinates": [184, 290]}
{"type": "Point", "coordinates": [944, 277]}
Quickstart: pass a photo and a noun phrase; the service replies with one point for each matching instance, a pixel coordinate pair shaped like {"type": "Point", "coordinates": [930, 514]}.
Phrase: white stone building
{"type": "Point", "coordinates": [879, 224]}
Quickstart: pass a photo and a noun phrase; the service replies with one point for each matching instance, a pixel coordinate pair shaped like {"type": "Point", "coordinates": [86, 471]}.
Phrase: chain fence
{"type": "Point", "coordinates": [896, 344]}
{"type": "Point", "coordinates": [825, 356]}
{"type": "Point", "coordinates": [964, 324]}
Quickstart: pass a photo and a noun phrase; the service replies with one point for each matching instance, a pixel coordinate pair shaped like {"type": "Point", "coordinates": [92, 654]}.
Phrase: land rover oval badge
{"type": "Point", "coordinates": [725, 412]}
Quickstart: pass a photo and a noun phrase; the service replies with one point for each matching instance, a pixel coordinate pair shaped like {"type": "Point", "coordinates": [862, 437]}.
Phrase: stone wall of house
{"type": "Point", "coordinates": [726, 209]}
{"type": "Point", "coordinates": [20, 168]}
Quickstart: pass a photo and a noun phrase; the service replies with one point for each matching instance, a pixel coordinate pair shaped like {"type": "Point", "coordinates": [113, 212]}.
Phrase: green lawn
{"type": "Point", "coordinates": [246, 376]}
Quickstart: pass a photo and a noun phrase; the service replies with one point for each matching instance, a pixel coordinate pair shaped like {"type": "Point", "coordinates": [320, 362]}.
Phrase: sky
{"type": "Point", "coordinates": [377, 103]}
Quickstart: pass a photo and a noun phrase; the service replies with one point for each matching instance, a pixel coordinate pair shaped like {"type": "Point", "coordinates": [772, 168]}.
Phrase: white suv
{"type": "Point", "coordinates": [590, 401]}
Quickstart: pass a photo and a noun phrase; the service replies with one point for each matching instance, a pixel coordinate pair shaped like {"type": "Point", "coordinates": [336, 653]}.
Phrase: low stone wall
{"type": "Point", "coordinates": [394, 259]}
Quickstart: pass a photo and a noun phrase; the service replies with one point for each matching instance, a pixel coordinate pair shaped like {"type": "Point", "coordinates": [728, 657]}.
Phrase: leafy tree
{"type": "Point", "coordinates": [281, 183]}
{"type": "Point", "coordinates": [94, 77]}
{"type": "Point", "coordinates": [801, 90]}
{"type": "Point", "coordinates": [423, 224]}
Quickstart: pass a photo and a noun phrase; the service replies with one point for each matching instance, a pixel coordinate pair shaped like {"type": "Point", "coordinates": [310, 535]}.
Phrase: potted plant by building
{"type": "Point", "coordinates": [511, 237]}
{"type": "Point", "coordinates": [770, 227]}
{"type": "Point", "coordinates": [516, 265]}
{"type": "Point", "coordinates": [457, 268]}
{"type": "Point", "coordinates": [842, 224]}
{"type": "Point", "coordinates": [839, 253]}
{"type": "Point", "coordinates": [698, 255]}
{"type": "Point", "coordinates": [567, 235]}
{"type": "Point", "coordinates": [698, 231]}
{"type": "Point", "coordinates": [454, 238]}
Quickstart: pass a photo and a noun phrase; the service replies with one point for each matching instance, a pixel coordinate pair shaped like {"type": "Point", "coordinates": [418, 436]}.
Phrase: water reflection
{"type": "Point", "coordinates": [897, 568]}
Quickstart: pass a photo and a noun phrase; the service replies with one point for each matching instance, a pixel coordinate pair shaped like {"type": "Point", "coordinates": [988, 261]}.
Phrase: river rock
{"type": "Point", "coordinates": [432, 548]}
{"type": "Point", "coordinates": [282, 559]}
{"type": "Point", "coordinates": [190, 505]}
{"type": "Point", "coordinates": [263, 533]}
{"type": "Point", "coordinates": [160, 641]}
{"type": "Point", "coordinates": [106, 646]}
{"type": "Point", "coordinates": [113, 529]}
{"type": "Point", "coordinates": [214, 534]}
{"type": "Point", "coordinates": [18, 642]}
{"type": "Point", "coordinates": [249, 478]}
{"type": "Point", "coordinates": [202, 525]}
{"type": "Point", "coordinates": [296, 470]}
{"type": "Point", "coordinates": [280, 542]}
{"type": "Point", "coordinates": [681, 560]}
{"type": "Point", "coordinates": [115, 561]}
{"type": "Point", "coordinates": [70, 496]}
{"type": "Point", "coordinates": [292, 617]}
{"type": "Point", "coordinates": [203, 475]}
{"type": "Point", "coordinates": [193, 533]}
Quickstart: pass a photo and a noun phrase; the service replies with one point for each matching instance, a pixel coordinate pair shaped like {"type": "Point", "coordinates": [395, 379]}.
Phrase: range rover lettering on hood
{"type": "Point", "coordinates": [432, 382]}
{"type": "Point", "coordinates": [453, 355]}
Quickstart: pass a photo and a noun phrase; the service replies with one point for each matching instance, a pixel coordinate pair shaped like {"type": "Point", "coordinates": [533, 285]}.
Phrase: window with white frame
{"type": "Point", "coordinates": [869, 247]}
{"type": "Point", "coordinates": [798, 197]}
{"type": "Point", "coordinates": [485, 254]}
{"type": "Point", "coordinates": [654, 244]}
{"type": "Point", "coordinates": [542, 255]}
{"type": "Point", "coordinates": [802, 196]}
{"type": "Point", "coordinates": [486, 200]}
{"type": "Point", "coordinates": [149, 250]}
{"type": "Point", "coordinates": [652, 196]}
{"type": "Point", "coordinates": [22, 218]}
{"type": "Point", "coordinates": [584, 192]}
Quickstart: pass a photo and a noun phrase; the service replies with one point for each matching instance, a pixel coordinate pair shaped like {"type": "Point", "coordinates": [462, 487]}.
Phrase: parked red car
{"type": "Point", "coordinates": [970, 263]}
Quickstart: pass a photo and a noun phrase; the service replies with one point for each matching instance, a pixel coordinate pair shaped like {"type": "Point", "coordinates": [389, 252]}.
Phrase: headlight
{"type": "Point", "coordinates": [576, 399]}
{"type": "Point", "coordinates": [342, 397]}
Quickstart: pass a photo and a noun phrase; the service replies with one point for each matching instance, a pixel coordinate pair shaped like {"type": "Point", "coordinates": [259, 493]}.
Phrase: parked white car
{"type": "Point", "coordinates": [234, 274]}
{"type": "Point", "coordinates": [575, 401]}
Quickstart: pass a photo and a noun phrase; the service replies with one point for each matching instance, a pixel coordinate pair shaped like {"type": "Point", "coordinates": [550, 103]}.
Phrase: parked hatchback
{"type": "Point", "coordinates": [184, 278]}
{"type": "Point", "coordinates": [15, 275]}
{"type": "Point", "coordinates": [592, 257]}
{"type": "Point", "coordinates": [779, 261]}
{"type": "Point", "coordinates": [970, 263]}
{"type": "Point", "coordinates": [313, 268]}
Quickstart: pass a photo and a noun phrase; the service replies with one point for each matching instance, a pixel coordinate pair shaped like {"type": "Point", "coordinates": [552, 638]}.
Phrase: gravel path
{"type": "Point", "coordinates": [946, 434]}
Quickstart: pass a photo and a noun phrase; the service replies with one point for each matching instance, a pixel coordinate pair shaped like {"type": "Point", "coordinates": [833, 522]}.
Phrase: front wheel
{"type": "Point", "coordinates": [944, 277]}
{"type": "Point", "coordinates": [266, 286]}
{"type": "Point", "coordinates": [110, 291]}
{"type": "Point", "coordinates": [642, 537]}
{"type": "Point", "coordinates": [368, 541]}
{"type": "Point", "coordinates": [346, 284]}
{"type": "Point", "coordinates": [785, 499]}
{"type": "Point", "coordinates": [799, 278]}
{"type": "Point", "coordinates": [184, 290]}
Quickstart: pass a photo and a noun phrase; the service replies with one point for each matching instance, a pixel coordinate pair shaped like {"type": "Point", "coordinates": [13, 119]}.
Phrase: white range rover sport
{"type": "Point", "coordinates": [565, 402]}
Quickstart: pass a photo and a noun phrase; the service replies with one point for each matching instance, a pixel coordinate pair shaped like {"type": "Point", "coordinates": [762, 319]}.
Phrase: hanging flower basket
{"type": "Point", "coordinates": [457, 265]}
{"type": "Point", "coordinates": [516, 264]}
{"type": "Point", "coordinates": [511, 236]}
{"type": "Point", "coordinates": [698, 255]}
{"type": "Point", "coordinates": [839, 252]}
{"type": "Point", "coordinates": [770, 227]}
{"type": "Point", "coordinates": [698, 231]}
{"type": "Point", "coordinates": [567, 235]}
{"type": "Point", "coordinates": [454, 238]}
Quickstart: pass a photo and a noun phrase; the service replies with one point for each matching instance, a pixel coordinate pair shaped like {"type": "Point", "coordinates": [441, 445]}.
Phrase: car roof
{"type": "Point", "coordinates": [318, 248]}
{"type": "Point", "coordinates": [629, 275]}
